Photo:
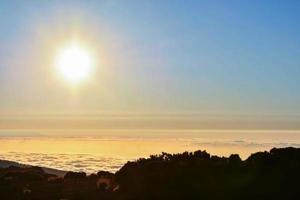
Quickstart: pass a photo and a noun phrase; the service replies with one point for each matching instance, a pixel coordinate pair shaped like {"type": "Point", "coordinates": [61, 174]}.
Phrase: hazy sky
{"type": "Point", "coordinates": [215, 57]}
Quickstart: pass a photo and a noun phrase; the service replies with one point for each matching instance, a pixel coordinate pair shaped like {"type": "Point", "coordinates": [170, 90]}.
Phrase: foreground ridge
{"type": "Point", "coordinates": [197, 175]}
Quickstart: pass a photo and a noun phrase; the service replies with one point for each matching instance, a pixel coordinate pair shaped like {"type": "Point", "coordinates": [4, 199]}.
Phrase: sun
{"type": "Point", "coordinates": [74, 63]}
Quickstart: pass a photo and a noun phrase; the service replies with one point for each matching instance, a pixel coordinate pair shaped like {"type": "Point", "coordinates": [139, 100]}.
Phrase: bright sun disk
{"type": "Point", "coordinates": [74, 63]}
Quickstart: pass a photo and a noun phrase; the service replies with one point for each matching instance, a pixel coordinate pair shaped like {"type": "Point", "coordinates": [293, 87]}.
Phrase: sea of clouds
{"type": "Point", "coordinates": [67, 162]}
{"type": "Point", "coordinates": [90, 163]}
{"type": "Point", "coordinates": [111, 153]}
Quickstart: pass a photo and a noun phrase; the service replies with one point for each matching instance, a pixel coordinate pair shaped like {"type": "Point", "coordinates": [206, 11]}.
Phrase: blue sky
{"type": "Point", "coordinates": [218, 57]}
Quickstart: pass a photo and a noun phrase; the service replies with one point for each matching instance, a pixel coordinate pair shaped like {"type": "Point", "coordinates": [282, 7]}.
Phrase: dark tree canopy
{"type": "Point", "coordinates": [197, 175]}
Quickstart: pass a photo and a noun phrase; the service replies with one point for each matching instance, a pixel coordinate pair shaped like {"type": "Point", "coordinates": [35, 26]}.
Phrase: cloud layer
{"type": "Point", "coordinates": [67, 162]}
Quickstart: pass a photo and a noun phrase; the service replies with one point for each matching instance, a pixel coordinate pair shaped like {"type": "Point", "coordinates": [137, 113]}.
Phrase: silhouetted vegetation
{"type": "Point", "coordinates": [198, 175]}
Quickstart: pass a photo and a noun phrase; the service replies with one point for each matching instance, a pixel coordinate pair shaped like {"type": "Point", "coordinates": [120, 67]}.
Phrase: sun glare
{"type": "Point", "coordinates": [74, 63]}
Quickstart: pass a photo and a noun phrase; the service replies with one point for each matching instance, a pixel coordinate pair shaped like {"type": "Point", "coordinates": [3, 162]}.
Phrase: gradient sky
{"type": "Point", "coordinates": [212, 57]}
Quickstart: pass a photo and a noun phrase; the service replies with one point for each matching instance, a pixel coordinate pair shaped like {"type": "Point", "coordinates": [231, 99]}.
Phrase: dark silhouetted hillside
{"type": "Point", "coordinates": [198, 175]}
{"type": "Point", "coordinates": [6, 163]}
